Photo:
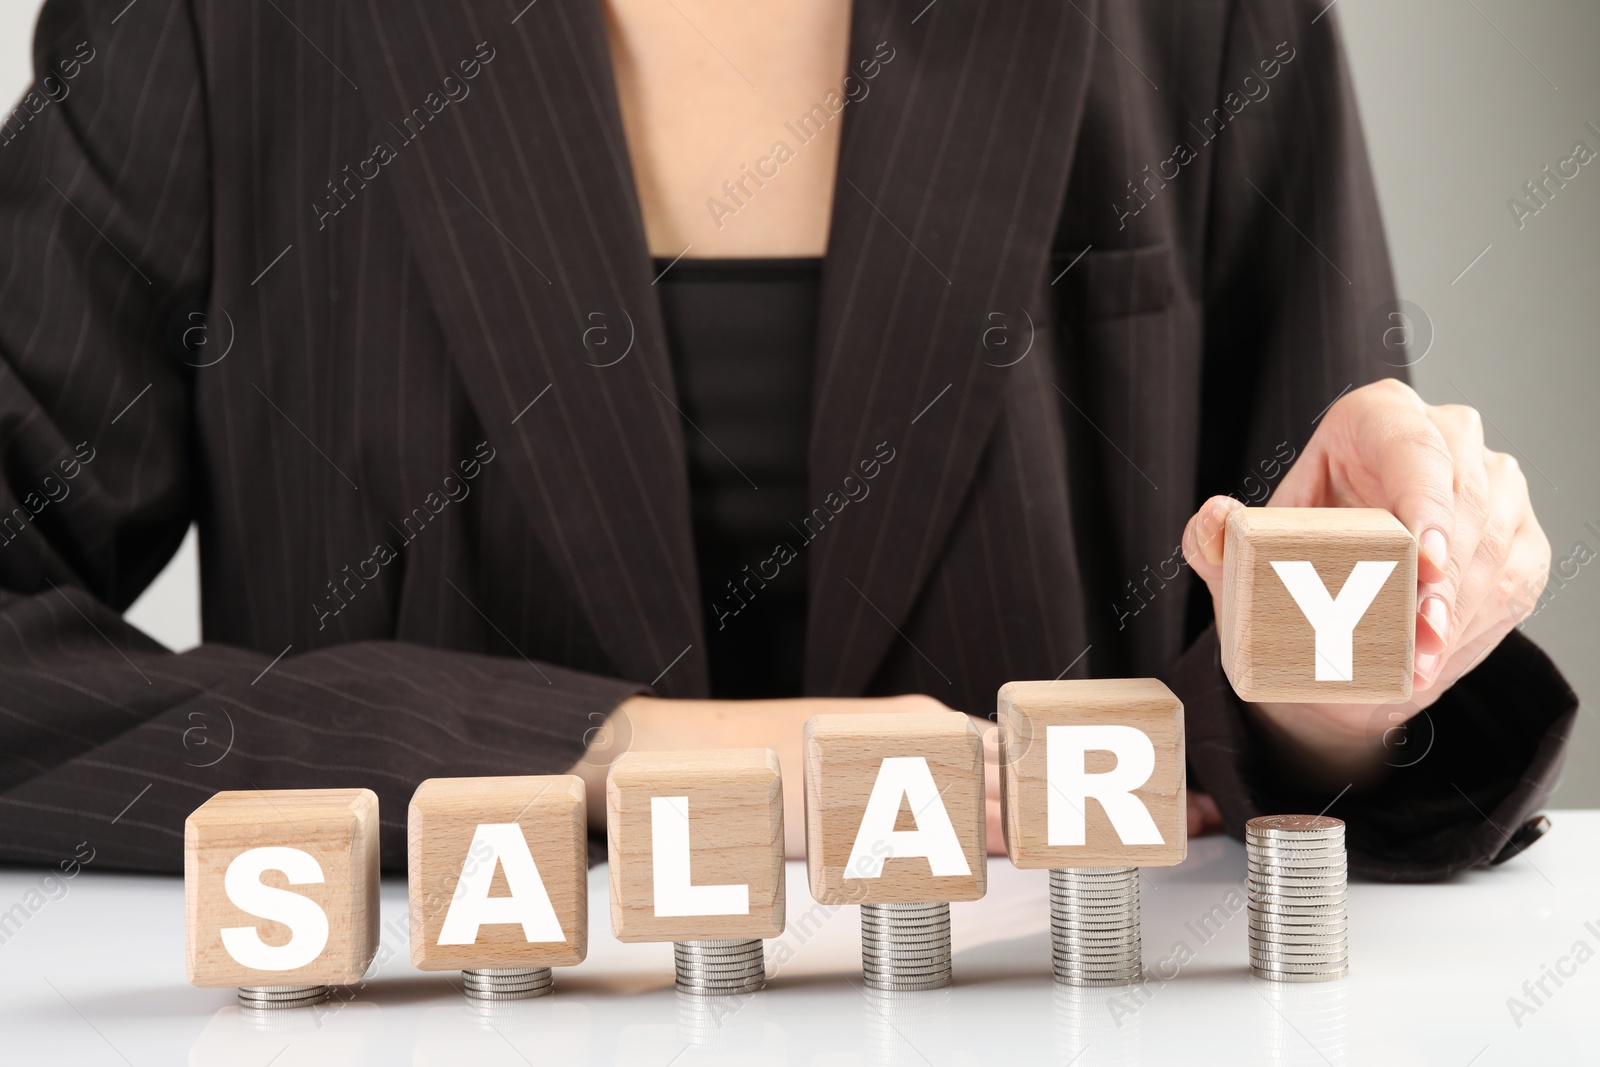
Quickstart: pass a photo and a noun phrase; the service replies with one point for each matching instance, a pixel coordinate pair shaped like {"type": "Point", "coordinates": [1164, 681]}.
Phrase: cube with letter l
{"type": "Point", "coordinates": [1092, 773]}
{"type": "Point", "coordinates": [696, 845]}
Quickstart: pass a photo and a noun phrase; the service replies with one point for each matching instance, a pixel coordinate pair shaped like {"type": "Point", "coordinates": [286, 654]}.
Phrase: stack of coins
{"type": "Point", "coordinates": [720, 968]}
{"type": "Point", "coordinates": [1094, 925]}
{"type": "Point", "coordinates": [271, 997]}
{"type": "Point", "coordinates": [905, 946]}
{"type": "Point", "coordinates": [507, 983]}
{"type": "Point", "coordinates": [1297, 878]}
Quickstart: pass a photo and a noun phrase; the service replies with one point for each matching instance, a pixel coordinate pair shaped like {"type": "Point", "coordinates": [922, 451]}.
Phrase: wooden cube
{"type": "Point", "coordinates": [895, 808]}
{"type": "Point", "coordinates": [498, 872]}
{"type": "Point", "coordinates": [1092, 773]}
{"type": "Point", "coordinates": [280, 887]}
{"type": "Point", "coordinates": [1318, 605]}
{"type": "Point", "coordinates": [696, 845]}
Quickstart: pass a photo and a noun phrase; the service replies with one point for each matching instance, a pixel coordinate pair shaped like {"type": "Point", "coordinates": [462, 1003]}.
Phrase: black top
{"type": "Point", "coordinates": [742, 335]}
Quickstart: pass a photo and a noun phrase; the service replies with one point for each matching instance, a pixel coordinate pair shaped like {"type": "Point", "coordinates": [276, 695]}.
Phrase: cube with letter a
{"type": "Point", "coordinates": [895, 808]}
{"type": "Point", "coordinates": [696, 845]}
{"type": "Point", "coordinates": [1092, 773]}
{"type": "Point", "coordinates": [1318, 605]}
{"type": "Point", "coordinates": [280, 887]}
{"type": "Point", "coordinates": [498, 873]}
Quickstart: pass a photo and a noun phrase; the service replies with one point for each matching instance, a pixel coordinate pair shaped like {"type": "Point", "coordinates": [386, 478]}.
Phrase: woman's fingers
{"type": "Point", "coordinates": [1204, 817]}
{"type": "Point", "coordinates": [1440, 607]}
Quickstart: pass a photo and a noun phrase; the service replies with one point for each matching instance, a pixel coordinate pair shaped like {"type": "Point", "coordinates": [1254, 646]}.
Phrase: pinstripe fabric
{"type": "Point", "coordinates": [477, 298]}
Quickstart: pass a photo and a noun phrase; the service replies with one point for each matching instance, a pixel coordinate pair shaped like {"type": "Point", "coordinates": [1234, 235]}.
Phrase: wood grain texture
{"type": "Point", "coordinates": [445, 813]}
{"type": "Point", "coordinates": [1268, 645]}
{"type": "Point", "coordinates": [843, 757]}
{"type": "Point", "coordinates": [1028, 709]}
{"type": "Point", "coordinates": [337, 827]}
{"type": "Point", "coordinates": [734, 803]}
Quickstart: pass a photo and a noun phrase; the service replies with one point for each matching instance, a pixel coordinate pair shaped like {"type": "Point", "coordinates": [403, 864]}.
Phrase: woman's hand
{"type": "Point", "coordinates": [1482, 558]}
{"type": "Point", "coordinates": [655, 724]}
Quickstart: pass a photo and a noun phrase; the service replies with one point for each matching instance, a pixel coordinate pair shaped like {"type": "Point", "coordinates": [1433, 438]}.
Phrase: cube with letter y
{"type": "Point", "coordinates": [895, 808]}
{"type": "Point", "coordinates": [281, 887]}
{"type": "Point", "coordinates": [1318, 604]}
{"type": "Point", "coordinates": [696, 845]}
{"type": "Point", "coordinates": [498, 872]}
{"type": "Point", "coordinates": [1092, 773]}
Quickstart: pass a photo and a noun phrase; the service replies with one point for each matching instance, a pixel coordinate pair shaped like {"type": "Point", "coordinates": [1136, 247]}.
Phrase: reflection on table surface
{"type": "Point", "coordinates": [95, 975]}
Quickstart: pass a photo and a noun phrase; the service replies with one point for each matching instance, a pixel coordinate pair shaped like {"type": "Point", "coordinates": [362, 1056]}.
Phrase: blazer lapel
{"type": "Point", "coordinates": [951, 178]}
{"type": "Point", "coordinates": [517, 187]}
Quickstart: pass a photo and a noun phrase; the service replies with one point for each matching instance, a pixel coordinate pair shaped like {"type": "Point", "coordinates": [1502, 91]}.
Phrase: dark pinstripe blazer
{"type": "Point", "coordinates": [1089, 262]}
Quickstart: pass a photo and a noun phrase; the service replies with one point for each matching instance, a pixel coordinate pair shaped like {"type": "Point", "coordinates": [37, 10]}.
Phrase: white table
{"type": "Point", "coordinates": [95, 976]}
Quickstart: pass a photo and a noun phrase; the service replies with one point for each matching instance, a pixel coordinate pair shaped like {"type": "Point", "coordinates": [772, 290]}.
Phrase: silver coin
{"type": "Point", "coordinates": [739, 973]}
{"type": "Point", "coordinates": [1089, 955]}
{"type": "Point", "coordinates": [916, 927]}
{"type": "Point", "coordinates": [889, 985]}
{"type": "Point", "coordinates": [1269, 929]}
{"type": "Point", "coordinates": [1301, 964]}
{"type": "Point", "coordinates": [281, 992]}
{"type": "Point", "coordinates": [1101, 938]}
{"type": "Point", "coordinates": [1334, 894]}
{"type": "Point", "coordinates": [1098, 920]}
{"type": "Point", "coordinates": [920, 976]}
{"type": "Point", "coordinates": [906, 959]}
{"type": "Point", "coordinates": [906, 911]}
{"type": "Point", "coordinates": [499, 995]}
{"type": "Point", "coordinates": [698, 981]}
{"type": "Point", "coordinates": [1131, 974]}
{"type": "Point", "coordinates": [1299, 936]}
{"type": "Point", "coordinates": [543, 975]}
{"type": "Point", "coordinates": [1311, 878]}
{"type": "Point", "coordinates": [1296, 857]}
{"type": "Point", "coordinates": [506, 983]}
{"type": "Point", "coordinates": [1300, 946]}
{"type": "Point", "coordinates": [719, 948]}
{"type": "Point", "coordinates": [890, 929]}
{"type": "Point", "coordinates": [1263, 850]}
{"type": "Point", "coordinates": [1286, 976]}
{"type": "Point", "coordinates": [1294, 824]}
{"type": "Point", "coordinates": [283, 1002]}
{"type": "Point", "coordinates": [1296, 875]}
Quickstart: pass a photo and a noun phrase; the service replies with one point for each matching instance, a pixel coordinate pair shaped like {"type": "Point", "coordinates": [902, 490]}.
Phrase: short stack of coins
{"type": "Point", "coordinates": [507, 983]}
{"type": "Point", "coordinates": [273, 997]}
{"type": "Point", "coordinates": [1094, 925]}
{"type": "Point", "coordinates": [1298, 928]}
{"type": "Point", "coordinates": [905, 946]}
{"type": "Point", "coordinates": [720, 968]}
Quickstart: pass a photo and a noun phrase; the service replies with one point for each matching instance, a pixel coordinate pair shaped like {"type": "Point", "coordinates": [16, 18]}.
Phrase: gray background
{"type": "Point", "coordinates": [1464, 101]}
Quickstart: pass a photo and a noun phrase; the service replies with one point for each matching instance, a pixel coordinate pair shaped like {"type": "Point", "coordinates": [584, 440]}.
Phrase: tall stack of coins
{"type": "Point", "coordinates": [905, 946]}
{"type": "Point", "coordinates": [720, 968]}
{"type": "Point", "coordinates": [1298, 929]}
{"type": "Point", "coordinates": [1094, 925]}
{"type": "Point", "coordinates": [507, 983]}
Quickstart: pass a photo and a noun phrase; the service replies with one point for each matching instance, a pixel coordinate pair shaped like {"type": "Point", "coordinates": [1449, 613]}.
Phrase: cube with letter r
{"type": "Point", "coordinates": [1092, 773]}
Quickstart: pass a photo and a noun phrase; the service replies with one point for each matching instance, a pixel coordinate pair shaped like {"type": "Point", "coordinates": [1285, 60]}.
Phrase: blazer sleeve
{"type": "Point", "coordinates": [1298, 298]}
{"type": "Point", "coordinates": [106, 737]}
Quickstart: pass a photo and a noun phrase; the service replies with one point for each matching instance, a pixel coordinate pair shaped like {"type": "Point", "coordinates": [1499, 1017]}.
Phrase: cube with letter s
{"type": "Point", "coordinates": [1092, 773]}
{"type": "Point", "coordinates": [895, 808]}
{"type": "Point", "coordinates": [280, 887]}
{"type": "Point", "coordinates": [498, 872]}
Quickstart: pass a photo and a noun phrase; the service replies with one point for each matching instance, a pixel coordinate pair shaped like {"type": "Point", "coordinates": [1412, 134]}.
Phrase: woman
{"type": "Point", "coordinates": [598, 375]}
